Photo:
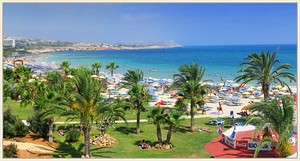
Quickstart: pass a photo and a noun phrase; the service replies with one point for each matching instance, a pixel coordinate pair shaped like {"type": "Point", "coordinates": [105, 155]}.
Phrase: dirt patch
{"type": "Point", "coordinates": [33, 143]}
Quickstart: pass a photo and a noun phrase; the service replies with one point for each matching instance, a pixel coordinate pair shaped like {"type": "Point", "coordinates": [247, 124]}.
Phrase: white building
{"type": "Point", "coordinates": [9, 43]}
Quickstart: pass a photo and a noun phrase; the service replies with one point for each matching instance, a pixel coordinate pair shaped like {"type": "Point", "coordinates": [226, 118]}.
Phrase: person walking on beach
{"type": "Point", "coordinates": [220, 108]}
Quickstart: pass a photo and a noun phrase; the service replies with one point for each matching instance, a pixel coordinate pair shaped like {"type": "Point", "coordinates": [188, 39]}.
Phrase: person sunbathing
{"type": "Point", "coordinates": [61, 133]}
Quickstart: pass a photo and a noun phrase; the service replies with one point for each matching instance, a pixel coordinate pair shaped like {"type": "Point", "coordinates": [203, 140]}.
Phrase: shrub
{"type": "Point", "coordinates": [12, 125]}
{"type": "Point", "coordinates": [39, 125]}
{"type": "Point", "coordinates": [10, 151]}
{"type": "Point", "coordinates": [72, 135]}
{"type": "Point", "coordinates": [285, 149]}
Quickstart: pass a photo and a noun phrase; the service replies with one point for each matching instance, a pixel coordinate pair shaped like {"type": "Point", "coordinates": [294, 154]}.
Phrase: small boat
{"type": "Point", "coordinates": [153, 70]}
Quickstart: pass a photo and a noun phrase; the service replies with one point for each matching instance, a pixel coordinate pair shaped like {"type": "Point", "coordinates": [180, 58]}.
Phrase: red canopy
{"type": "Point", "coordinates": [159, 103]}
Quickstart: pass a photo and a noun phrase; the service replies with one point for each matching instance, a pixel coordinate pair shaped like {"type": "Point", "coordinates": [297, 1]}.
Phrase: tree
{"type": "Point", "coordinates": [270, 115]}
{"type": "Point", "coordinates": [22, 73]}
{"type": "Point", "coordinates": [189, 82]}
{"type": "Point", "coordinates": [132, 77]}
{"type": "Point", "coordinates": [109, 113]}
{"type": "Point", "coordinates": [95, 67]}
{"type": "Point", "coordinates": [173, 119]}
{"type": "Point", "coordinates": [112, 67]}
{"type": "Point", "coordinates": [262, 68]}
{"type": "Point", "coordinates": [139, 100]}
{"type": "Point", "coordinates": [85, 101]}
{"type": "Point", "coordinates": [65, 65]}
{"type": "Point", "coordinates": [156, 116]}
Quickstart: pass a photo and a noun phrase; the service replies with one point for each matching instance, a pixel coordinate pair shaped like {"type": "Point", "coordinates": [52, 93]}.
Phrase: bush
{"type": "Point", "coordinates": [12, 125]}
{"type": "Point", "coordinates": [285, 149]}
{"type": "Point", "coordinates": [39, 125]}
{"type": "Point", "coordinates": [10, 151]}
{"type": "Point", "coordinates": [72, 135]}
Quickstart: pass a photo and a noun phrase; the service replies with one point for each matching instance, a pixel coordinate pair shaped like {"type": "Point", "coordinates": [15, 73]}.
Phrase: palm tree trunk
{"type": "Point", "coordinates": [138, 121]}
{"type": "Point", "coordinates": [158, 133]}
{"type": "Point", "coordinates": [265, 88]}
{"type": "Point", "coordinates": [112, 73]}
{"type": "Point", "coordinates": [51, 122]}
{"type": "Point", "coordinates": [97, 71]}
{"type": "Point", "coordinates": [169, 134]}
{"type": "Point", "coordinates": [192, 116]}
{"type": "Point", "coordinates": [87, 150]}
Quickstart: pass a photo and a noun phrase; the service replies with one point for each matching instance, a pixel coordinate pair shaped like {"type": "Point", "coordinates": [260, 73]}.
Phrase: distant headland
{"type": "Point", "coordinates": [46, 46]}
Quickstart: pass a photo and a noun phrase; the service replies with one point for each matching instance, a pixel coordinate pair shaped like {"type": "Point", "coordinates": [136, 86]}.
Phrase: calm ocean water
{"type": "Point", "coordinates": [219, 60]}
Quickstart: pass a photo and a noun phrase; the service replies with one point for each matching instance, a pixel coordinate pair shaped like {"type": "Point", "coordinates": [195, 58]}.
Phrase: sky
{"type": "Point", "coordinates": [185, 24]}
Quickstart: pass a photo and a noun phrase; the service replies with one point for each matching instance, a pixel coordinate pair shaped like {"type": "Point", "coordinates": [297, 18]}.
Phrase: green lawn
{"type": "Point", "coordinates": [22, 112]}
{"type": "Point", "coordinates": [186, 144]}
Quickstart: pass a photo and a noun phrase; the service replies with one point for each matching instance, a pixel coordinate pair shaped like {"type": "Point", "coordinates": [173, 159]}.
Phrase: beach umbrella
{"type": "Point", "coordinates": [246, 107]}
{"type": "Point", "coordinates": [179, 97]}
{"type": "Point", "coordinates": [259, 88]}
{"type": "Point", "coordinates": [43, 80]}
{"type": "Point", "coordinates": [250, 89]}
{"type": "Point", "coordinates": [275, 91]}
{"type": "Point", "coordinates": [235, 98]}
{"type": "Point", "coordinates": [159, 103]}
{"type": "Point", "coordinates": [246, 93]}
{"type": "Point", "coordinates": [285, 88]}
{"type": "Point", "coordinates": [221, 84]}
{"type": "Point", "coordinates": [257, 92]}
{"type": "Point", "coordinates": [236, 85]}
{"type": "Point", "coordinates": [155, 84]}
{"type": "Point", "coordinates": [110, 88]}
{"type": "Point", "coordinates": [31, 80]}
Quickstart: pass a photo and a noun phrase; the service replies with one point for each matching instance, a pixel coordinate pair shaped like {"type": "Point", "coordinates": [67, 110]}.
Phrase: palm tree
{"type": "Point", "coordinates": [85, 102]}
{"type": "Point", "coordinates": [22, 73]}
{"type": "Point", "coordinates": [261, 68]}
{"type": "Point", "coordinates": [270, 115]}
{"type": "Point", "coordinates": [50, 104]}
{"type": "Point", "coordinates": [132, 77]}
{"type": "Point", "coordinates": [112, 66]}
{"type": "Point", "coordinates": [189, 82]}
{"type": "Point", "coordinates": [139, 100]}
{"type": "Point", "coordinates": [156, 116]}
{"type": "Point", "coordinates": [95, 67]}
{"type": "Point", "coordinates": [173, 119]}
{"type": "Point", "coordinates": [109, 113]}
{"type": "Point", "coordinates": [65, 65]}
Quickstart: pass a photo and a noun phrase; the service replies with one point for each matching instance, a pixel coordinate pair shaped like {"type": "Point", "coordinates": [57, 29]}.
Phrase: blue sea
{"type": "Point", "coordinates": [220, 61]}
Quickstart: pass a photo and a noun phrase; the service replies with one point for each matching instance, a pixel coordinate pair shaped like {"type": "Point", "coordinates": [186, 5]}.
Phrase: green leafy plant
{"type": "Point", "coordinates": [12, 125]}
{"type": "Point", "coordinates": [72, 135]}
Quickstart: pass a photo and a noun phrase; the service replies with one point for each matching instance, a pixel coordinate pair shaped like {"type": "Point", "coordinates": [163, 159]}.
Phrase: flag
{"type": "Point", "coordinates": [232, 117]}
{"type": "Point", "coordinates": [220, 129]}
{"type": "Point", "coordinates": [292, 133]}
{"type": "Point", "coordinates": [233, 135]}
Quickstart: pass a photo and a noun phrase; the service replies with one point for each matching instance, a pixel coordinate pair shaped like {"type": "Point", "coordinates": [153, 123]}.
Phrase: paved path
{"type": "Point", "coordinates": [145, 120]}
{"type": "Point", "coordinates": [31, 147]}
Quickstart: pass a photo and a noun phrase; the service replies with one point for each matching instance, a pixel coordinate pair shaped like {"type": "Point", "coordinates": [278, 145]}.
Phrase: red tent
{"type": "Point", "coordinates": [159, 103]}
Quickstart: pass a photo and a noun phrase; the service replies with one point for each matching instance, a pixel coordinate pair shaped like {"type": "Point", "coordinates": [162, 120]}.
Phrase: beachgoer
{"type": "Point", "coordinates": [61, 133]}
{"type": "Point", "coordinates": [220, 108]}
{"type": "Point", "coordinates": [141, 145]}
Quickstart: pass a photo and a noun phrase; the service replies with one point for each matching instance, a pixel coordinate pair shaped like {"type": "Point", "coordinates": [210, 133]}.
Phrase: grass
{"type": "Point", "coordinates": [186, 144]}
{"type": "Point", "coordinates": [22, 112]}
